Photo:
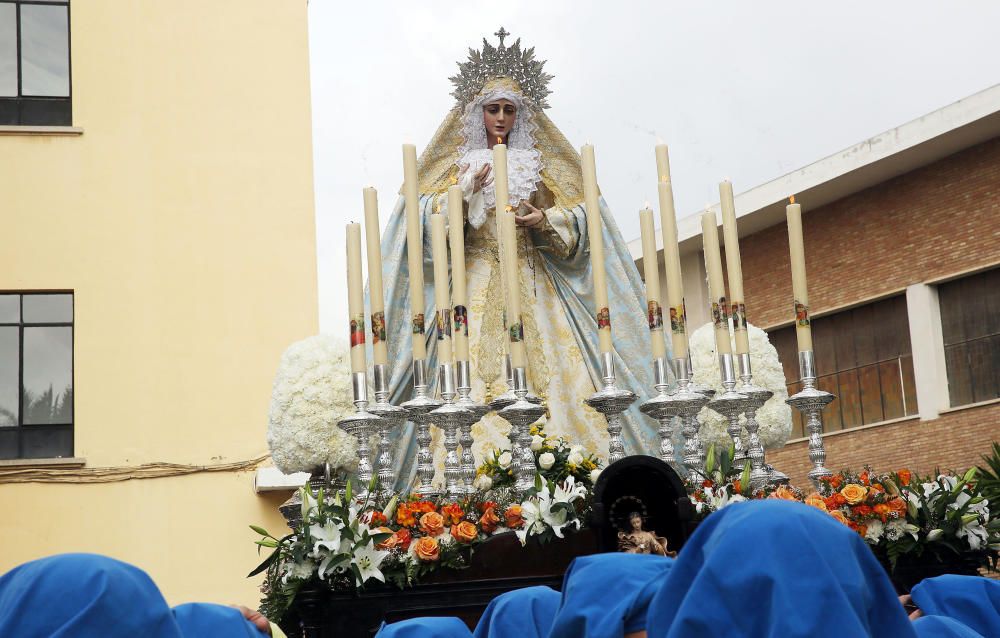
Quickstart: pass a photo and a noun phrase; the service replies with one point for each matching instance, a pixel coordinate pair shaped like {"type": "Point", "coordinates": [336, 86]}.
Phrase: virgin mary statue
{"type": "Point", "coordinates": [501, 93]}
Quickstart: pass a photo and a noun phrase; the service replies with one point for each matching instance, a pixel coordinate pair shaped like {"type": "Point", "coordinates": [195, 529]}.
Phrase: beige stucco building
{"type": "Point", "coordinates": [176, 208]}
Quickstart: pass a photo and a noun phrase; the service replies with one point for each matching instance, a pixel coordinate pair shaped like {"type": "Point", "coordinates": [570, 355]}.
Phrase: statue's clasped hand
{"type": "Point", "coordinates": [531, 218]}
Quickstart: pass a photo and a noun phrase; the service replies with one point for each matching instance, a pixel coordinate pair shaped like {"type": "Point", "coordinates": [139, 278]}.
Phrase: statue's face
{"type": "Point", "coordinates": [499, 119]}
{"type": "Point", "coordinates": [636, 522]}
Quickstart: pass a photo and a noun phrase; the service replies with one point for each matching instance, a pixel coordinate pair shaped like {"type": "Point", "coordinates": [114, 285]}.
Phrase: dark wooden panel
{"type": "Point", "coordinates": [864, 335]}
{"type": "Point", "coordinates": [992, 292]}
{"type": "Point", "coordinates": [950, 303]}
{"type": "Point", "coordinates": [909, 385]}
{"type": "Point", "coordinates": [850, 398]}
{"type": "Point", "coordinates": [959, 380]}
{"type": "Point", "coordinates": [974, 306]}
{"type": "Point", "coordinates": [843, 326]}
{"type": "Point", "coordinates": [871, 394]}
{"type": "Point", "coordinates": [982, 369]}
{"type": "Point", "coordinates": [892, 390]}
{"type": "Point", "coordinates": [824, 346]}
{"type": "Point", "coordinates": [831, 415]}
{"type": "Point", "coordinates": [783, 341]}
{"type": "Point", "coordinates": [798, 430]}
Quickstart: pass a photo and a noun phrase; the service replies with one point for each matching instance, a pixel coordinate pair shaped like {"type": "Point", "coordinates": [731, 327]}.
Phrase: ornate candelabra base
{"type": "Point", "coordinates": [392, 418]}
{"type": "Point", "coordinates": [509, 398]}
{"type": "Point", "coordinates": [731, 405]}
{"type": "Point", "coordinates": [760, 476]}
{"type": "Point", "coordinates": [521, 414]}
{"type": "Point", "coordinates": [687, 404]}
{"type": "Point", "coordinates": [466, 440]}
{"type": "Point", "coordinates": [418, 409]}
{"type": "Point", "coordinates": [660, 407]}
{"type": "Point", "coordinates": [360, 425]}
{"type": "Point", "coordinates": [810, 401]}
{"type": "Point", "coordinates": [449, 417]}
{"type": "Point", "coordinates": [611, 401]}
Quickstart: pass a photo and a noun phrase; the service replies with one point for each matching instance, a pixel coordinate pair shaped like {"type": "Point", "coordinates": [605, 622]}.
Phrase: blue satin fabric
{"type": "Point", "coordinates": [972, 601]}
{"type": "Point", "coordinates": [573, 281]}
{"type": "Point", "coordinates": [607, 595]}
{"type": "Point", "coordinates": [776, 569]}
{"type": "Point", "coordinates": [941, 627]}
{"type": "Point", "coordinates": [84, 595]}
{"type": "Point", "coordinates": [522, 613]}
{"type": "Point", "coordinates": [430, 627]}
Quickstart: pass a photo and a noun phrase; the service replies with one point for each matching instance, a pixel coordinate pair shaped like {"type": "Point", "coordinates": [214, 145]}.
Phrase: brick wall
{"type": "Point", "coordinates": [938, 220]}
{"type": "Point", "coordinates": [956, 440]}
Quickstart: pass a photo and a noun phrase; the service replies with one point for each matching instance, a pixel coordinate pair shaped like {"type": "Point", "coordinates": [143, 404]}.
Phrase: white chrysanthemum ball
{"type": "Point", "coordinates": [311, 393]}
{"type": "Point", "coordinates": [775, 418]}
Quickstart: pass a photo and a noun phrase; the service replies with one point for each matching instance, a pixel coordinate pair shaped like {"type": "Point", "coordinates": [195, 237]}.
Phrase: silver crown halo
{"type": "Point", "coordinates": [503, 61]}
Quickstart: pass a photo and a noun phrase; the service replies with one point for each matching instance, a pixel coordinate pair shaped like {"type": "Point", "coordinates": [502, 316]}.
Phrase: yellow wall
{"type": "Point", "coordinates": [183, 221]}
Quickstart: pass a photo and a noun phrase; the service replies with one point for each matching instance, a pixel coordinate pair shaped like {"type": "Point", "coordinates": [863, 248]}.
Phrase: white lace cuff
{"type": "Point", "coordinates": [477, 207]}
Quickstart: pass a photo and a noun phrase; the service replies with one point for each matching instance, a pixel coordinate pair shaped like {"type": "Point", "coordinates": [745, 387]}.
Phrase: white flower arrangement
{"type": "Point", "coordinates": [775, 417]}
{"type": "Point", "coordinates": [311, 393]}
{"type": "Point", "coordinates": [551, 509]}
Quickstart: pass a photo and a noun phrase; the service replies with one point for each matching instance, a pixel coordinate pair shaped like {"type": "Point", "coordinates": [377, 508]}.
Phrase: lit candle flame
{"type": "Point", "coordinates": [791, 199]}
{"type": "Point", "coordinates": [499, 140]}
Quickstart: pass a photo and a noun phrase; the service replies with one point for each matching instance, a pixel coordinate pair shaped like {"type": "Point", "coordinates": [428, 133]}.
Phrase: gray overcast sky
{"type": "Point", "coordinates": [744, 90]}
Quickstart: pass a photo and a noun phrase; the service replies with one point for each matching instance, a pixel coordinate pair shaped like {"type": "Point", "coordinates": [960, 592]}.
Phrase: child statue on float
{"type": "Point", "coordinates": [501, 94]}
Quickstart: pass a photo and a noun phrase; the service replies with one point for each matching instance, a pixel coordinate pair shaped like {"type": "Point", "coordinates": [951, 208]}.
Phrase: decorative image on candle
{"type": "Point", "coordinates": [797, 257]}
{"type": "Point", "coordinates": [439, 254]}
{"type": "Point", "coordinates": [734, 267]}
{"type": "Point", "coordinates": [459, 285]}
{"type": "Point", "coordinates": [595, 232]}
{"type": "Point", "coordinates": [651, 270]}
{"type": "Point", "coordinates": [716, 285]}
{"type": "Point", "coordinates": [356, 298]}
{"type": "Point", "coordinates": [380, 350]}
{"type": "Point", "coordinates": [515, 327]}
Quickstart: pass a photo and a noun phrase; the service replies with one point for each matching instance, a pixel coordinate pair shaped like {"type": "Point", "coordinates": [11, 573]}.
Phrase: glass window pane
{"type": "Point", "coordinates": [8, 50]}
{"type": "Point", "coordinates": [44, 50]}
{"type": "Point", "coordinates": [47, 442]}
{"type": "Point", "coordinates": [9, 363]}
{"type": "Point", "coordinates": [10, 308]}
{"type": "Point", "coordinates": [48, 375]}
{"type": "Point", "coordinates": [8, 444]}
{"type": "Point", "coordinates": [48, 308]}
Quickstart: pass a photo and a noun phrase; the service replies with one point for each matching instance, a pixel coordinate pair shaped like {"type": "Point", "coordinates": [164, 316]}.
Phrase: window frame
{"type": "Point", "coordinates": [21, 325]}
{"type": "Point", "coordinates": [31, 110]}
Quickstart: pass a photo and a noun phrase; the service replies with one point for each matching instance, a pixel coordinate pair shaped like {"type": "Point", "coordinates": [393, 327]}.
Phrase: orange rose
{"type": "Point", "coordinates": [882, 509]}
{"type": "Point", "coordinates": [513, 517]}
{"type": "Point", "coordinates": [374, 518]}
{"type": "Point", "coordinates": [837, 514]}
{"type": "Point", "coordinates": [423, 507]}
{"type": "Point", "coordinates": [839, 499]}
{"type": "Point", "coordinates": [489, 520]}
{"type": "Point", "coordinates": [854, 493]}
{"type": "Point", "coordinates": [432, 523]}
{"type": "Point", "coordinates": [816, 501]}
{"type": "Point", "coordinates": [464, 532]}
{"type": "Point", "coordinates": [452, 513]}
{"type": "Point", "coordinates": [904, 476]}
{"type": "Point", "coordinates": [897, 505]}
{"type": "Point", "coordinates": [784, 493]}
{"type": "Point", "coordinates": [427, 549]}
{"type": "Point", "coordinates": [400, 539]}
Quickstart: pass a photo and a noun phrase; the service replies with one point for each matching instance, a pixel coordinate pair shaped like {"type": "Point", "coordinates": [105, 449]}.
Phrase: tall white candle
{"type": "Point", "coordinates": [734, 268]}
{"type": "Point", "coordinates": [356, 298]}
{"type": "Point", "coordinates": [515, 326]}
{"type": "Point", "coordinates": [671, 256]}
{"type": "Point", "coordinates": [500, 176]}
{"type": "Point", "coordinates": [651, 270]}
{"type": "Point", "coordinates": [380, 351]}
{"type": "Point", "coordinates": [414, 249]}
{"type": "Point", "coordinates": [716, 285]}
{"type": "Point", "coordinates": [800, 294]}
{"type": "Point", "coordinates": [595, 230]}
{"type": "Point", "coordinates": [459, 294]}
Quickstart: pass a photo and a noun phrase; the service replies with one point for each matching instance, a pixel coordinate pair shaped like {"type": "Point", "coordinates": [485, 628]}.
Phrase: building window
{"type": "Point", "coordinates": [35, 63]}
{"type": "Point", "coordinates": [863, 356]}
{"type": "Point", "coordinates": [970, 326]}
{"type": "Point", "coordinates": [36, 375]}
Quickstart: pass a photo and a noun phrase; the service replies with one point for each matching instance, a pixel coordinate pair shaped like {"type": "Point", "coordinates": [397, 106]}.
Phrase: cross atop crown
{"type": "Point", "coordinates": [502, 33]}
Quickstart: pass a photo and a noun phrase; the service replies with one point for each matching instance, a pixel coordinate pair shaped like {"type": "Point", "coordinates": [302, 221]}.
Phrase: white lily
{"type": "Point", "coordinates": [874, 531]}
{"type": "Point", "coordinates": [326, 536]}
{"type": "Point", "coordinates": [531, 513]}
{"type": "Point", "coordinates": [368, 560]}
{"type": "Point", "coordinates": [568, 491]}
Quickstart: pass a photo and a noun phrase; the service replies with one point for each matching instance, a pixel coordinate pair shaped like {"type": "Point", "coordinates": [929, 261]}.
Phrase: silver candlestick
{"type": "Point", "coordinates": [662, 409]}
{"type": "Point", "coordinates": [449, 417]}
{"type": "Point", "coordinates": [756, 398]}
{"type": "Point", "coordinates": [477, 411]}
{"type": "Point", "coordinates": [418, 408]}
{"type": "Point", "coordinates": [611, 401]}
{"type": "Point", "coordinates": [360, 425]}
{"type": "Point", "coordinates": [731, 405]}
{"type": "Point", "coordinates": [810, 401]}
{"type": "Point", "coordinates": [392, 417]}
{"type": "Point", "coordinates": [688, 403]}
{"type": "Point", "coordinates": [509, 398]}
{"type": "Point", "coordinates": [521, 414]}
{"type": "Point", "coordinates": [707, 391]}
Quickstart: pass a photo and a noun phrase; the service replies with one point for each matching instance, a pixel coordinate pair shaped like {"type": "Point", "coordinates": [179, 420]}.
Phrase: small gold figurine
{"type": "Point", "coordinates": [639, 541]}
